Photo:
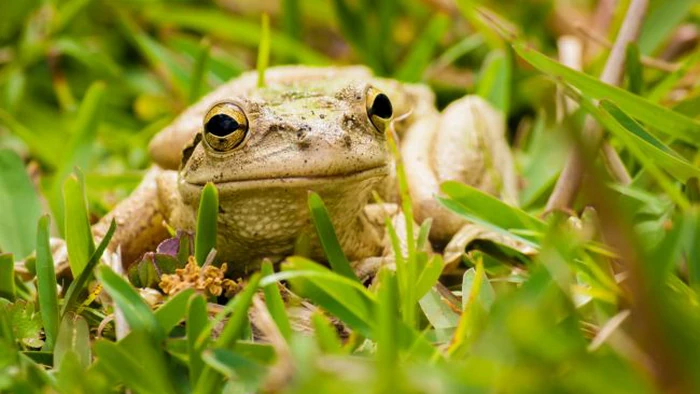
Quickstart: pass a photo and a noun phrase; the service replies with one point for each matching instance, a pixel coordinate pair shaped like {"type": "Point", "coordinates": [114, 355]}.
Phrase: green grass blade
{"type": "Point", "coordinates": [7, 276]}
{"type": "Point", "coordinates": [196, 323]}
{"type": "Point", "coordinates": [173, 310]}
{"type": "Point", "coordinates": [291, 18]}
{"type": "Point", "coordinates": [326, 334]}
{"type": "Point", "coordinates": [70, 300]}
{"type": "Point", "coordinates": [634, 70]}
{"type": "Point", "coordinates": [666, 85]}
{"type": "Point", "coordinates": [73, 336]}
{"type": "Point", "coordinates": [233, 330]}
{"type": "Point", "coordinates": [199, 71]}
{"type": "Point", "coordinates": [418, 59]}
{"type": "Point", "coordinates": [661, 22]}
{"type": "Point", "coordinates": [35, 142]}
{"type": "Point", "coordinates": [218, 25]}
{"type": "Point", "coordinates": [20, 206]}
{"type": "Point", "coordinates": [207, 223]}
{"type": "Point", "coordinates": [495, 80]}
{"type": "Point", "coordinates": [387, 316]}
{"type": "Point", "coordinates": [77, 225]}
{"type": "Point", "coordinates": [329, 240]}
{"type": "Point", "coordinates": [274, 302]}
{"type": "Point", "coordinates": [657, 117]}
{"type": "Point", "coordinates": [263, 50]}
{"type": "Point", "coordinates": [488, 211]}
{"type": "Point", "coordinates": [46, 283]}
{"type": "Point", "coordinates": [247, 373]}
{"type": "Point", "coordinates": [136, 312]}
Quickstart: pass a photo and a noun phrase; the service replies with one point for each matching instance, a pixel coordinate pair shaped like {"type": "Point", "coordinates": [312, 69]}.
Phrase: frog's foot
{"type": "Point", "coordinates": [465, 143]}
{"type": "Point", "coordinates": [472, 236]}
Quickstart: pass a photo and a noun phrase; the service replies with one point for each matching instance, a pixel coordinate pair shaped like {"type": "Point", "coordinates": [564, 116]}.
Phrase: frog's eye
{"type": "Point", "coordinates": [379, 109]}
{"type": "Point", "coordinates": [225, 126]}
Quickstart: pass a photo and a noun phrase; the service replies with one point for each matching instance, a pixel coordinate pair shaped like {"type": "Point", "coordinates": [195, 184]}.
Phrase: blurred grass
{"type": "Point", "coordinates": [87, 83]}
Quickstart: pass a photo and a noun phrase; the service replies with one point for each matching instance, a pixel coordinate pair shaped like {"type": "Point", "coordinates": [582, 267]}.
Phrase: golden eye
{"type": "Point", "coordinates": [225, 126]}
{"type": "Point", "coordinates": [379, 109]}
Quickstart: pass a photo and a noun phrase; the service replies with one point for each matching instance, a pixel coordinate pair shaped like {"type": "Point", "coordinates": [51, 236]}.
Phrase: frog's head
{"type": "Point", "coordinates": [300, 134]}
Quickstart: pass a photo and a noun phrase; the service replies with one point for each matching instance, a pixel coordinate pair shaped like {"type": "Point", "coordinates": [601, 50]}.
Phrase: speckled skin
{"type": "Point", "coordinates": [308, 130]}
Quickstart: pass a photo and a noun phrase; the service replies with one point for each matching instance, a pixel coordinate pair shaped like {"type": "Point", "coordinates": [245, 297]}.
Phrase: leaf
{"type": "Point", "coordinates": [169, 314]}
{"type": "Point", "coordinates": [660, 118]}
{"type": "Point", "coordinates": [387, 316]}
{"type": "Point", "coordinates": [495, 80]}
{"type": "Point", "coordinates": [326, 334]}
{"type": "Point", "coordinates": [207, 223]}
{"type": "Point", "coordinates": [236, 367]}
{"type": "Point", "coordinates": [25, 323]}
{"type": "Point", "coordinates": [661, 22]}
{"type": "Point", "coordinates": [231, 333]}
{"type": "Point", "coordinates": [199, 71]}
{"type": "Point", "coordinates": [216, 24]}
{"type": "Point", "coordinates": [329, 240]}
{"type": "Point", "coordinates": [263, 50]}
{"type": "Point", "coordinates": [490, 212]}
{"type": "Point", "coordinates": [20, 206]}
{"type": "Point", "coordinates": [634, 69]}
{"type": "Point", "coordinates": [7, 276]}
{"type": "Point", "coordinates": [420, 55]}
{"type": "Point", "coordinates": [429, 275]}
{"type": "Point", "coordinates": [136, 312]}
{"type": "Point", "coordinates": [274, 302]}
{"type": "Point", "coordinates": [46, 283]}
{"type": "Point", "coordinates": [197, 319]}
{"type": "Point", "coordinates": [73, 337]}
{"type": "Point", "coordinates": [70, 300]}
{"type": "Point", "coordinates": [438, 311]}
{"type": "Point", "coordinates": [77, 225]}
{"type": "Point", "coordinates": [653, 148]}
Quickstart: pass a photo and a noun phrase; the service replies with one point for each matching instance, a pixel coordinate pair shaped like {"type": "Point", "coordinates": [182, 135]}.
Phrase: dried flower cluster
{"type": "Point", "coordinates": [208, 280]}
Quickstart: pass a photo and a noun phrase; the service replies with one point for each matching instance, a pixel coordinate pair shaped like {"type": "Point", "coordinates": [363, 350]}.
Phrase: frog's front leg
{"type": "Point", "coordinates": [139, 218]}
{"type": "Point", "coordinates": [465, 143]}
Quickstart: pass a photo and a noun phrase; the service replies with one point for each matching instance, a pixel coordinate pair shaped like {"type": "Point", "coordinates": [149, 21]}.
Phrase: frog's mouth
{"type": "Point", "coordinates": [296, 181]}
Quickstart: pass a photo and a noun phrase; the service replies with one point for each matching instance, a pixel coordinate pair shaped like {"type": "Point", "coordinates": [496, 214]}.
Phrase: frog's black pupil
{"type": "Point", "coordinates": [382, 106]}
{"type": "Point", "coordinates": [221, 125]}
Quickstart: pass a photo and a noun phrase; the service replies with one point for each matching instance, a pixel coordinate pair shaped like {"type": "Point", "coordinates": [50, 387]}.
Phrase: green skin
{"type": "Point", "coordinates": [312, 129]}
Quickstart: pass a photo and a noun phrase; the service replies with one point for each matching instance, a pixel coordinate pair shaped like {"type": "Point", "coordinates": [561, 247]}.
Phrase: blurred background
{"type": "Point", "coordinates": [87, 83]}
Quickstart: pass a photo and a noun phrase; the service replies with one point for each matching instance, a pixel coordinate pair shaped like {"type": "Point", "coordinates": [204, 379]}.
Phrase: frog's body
{"type": "Point", "coordinates": [320, 129]}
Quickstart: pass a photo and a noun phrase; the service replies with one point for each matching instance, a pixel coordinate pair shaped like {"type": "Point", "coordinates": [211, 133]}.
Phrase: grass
{"type": "Point", "coordinates": [607, 302]}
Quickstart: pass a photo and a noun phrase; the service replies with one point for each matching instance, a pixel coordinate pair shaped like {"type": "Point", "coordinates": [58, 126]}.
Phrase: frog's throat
{"type": "Point", "coordinates": [295, 181]}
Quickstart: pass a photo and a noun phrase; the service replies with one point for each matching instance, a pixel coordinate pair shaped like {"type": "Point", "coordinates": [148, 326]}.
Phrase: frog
{"type": "Point", "coordinates": [319, 129]}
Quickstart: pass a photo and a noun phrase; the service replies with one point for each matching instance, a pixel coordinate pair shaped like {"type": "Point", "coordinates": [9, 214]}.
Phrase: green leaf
{"type": "Point", "coordinates": [173, 310]}
{"type": "Point", "coordinates": [633, 69]}
{"type": "Point", "coordinates": [650, 146]}
{"type": "Point", "coordinates": [666, 85]}
{"type": "Point", "coordinates": [661, 22]}
{"type": "Point", "coordinates": [495, 80]}
{"type": "Point", "coordinates": [274, 302]}
{"type": "Point", "coordinates": [263, 50]}
{"type": "Point", "coordinates": [429, 275]}
{"type": "Point", "coordinates": [420, 55]}
{"type": "Point", "coordinates": [235, 367]}
{"type": "Point", "coordinates": [329, 240]}
{"type": "Point", "coordinates": [136, 312]}
{"type": "Point", "coordinates": [326, 334]}
{"type": "Point", "coordinates": [46, 283]}
{"type": "Point", "coordinates": [73, 337]}
{"type": "Point", "coordinates": [197, 318]}
{"type": "Point", "coordinates": [138, 363]}
{"type": "Point", "coordinates": [387, 316]}
{"type": "Point", "coordinates": [207, 223]}
{"type": "Point", "coordinates": [492, 213]}
{"type": "Point", "coordinates": [77, 225]}
{"type": "Point", "coordinates": [660, 118]}
{"type": "Point", "coordinates": [217, 24]}
{"type": "Point", "coordinates": [231, 333]}
{"type": "Point", "coordinates": [7, 276]}
{"type": "Point", "coordinates": [20, 206]}
{"type": "Point", "coordinates": [25, 322]}
{"type": "Point", "coordinates": [70, 300]}
{"type": "Point", "coordinates": [199, 71]}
